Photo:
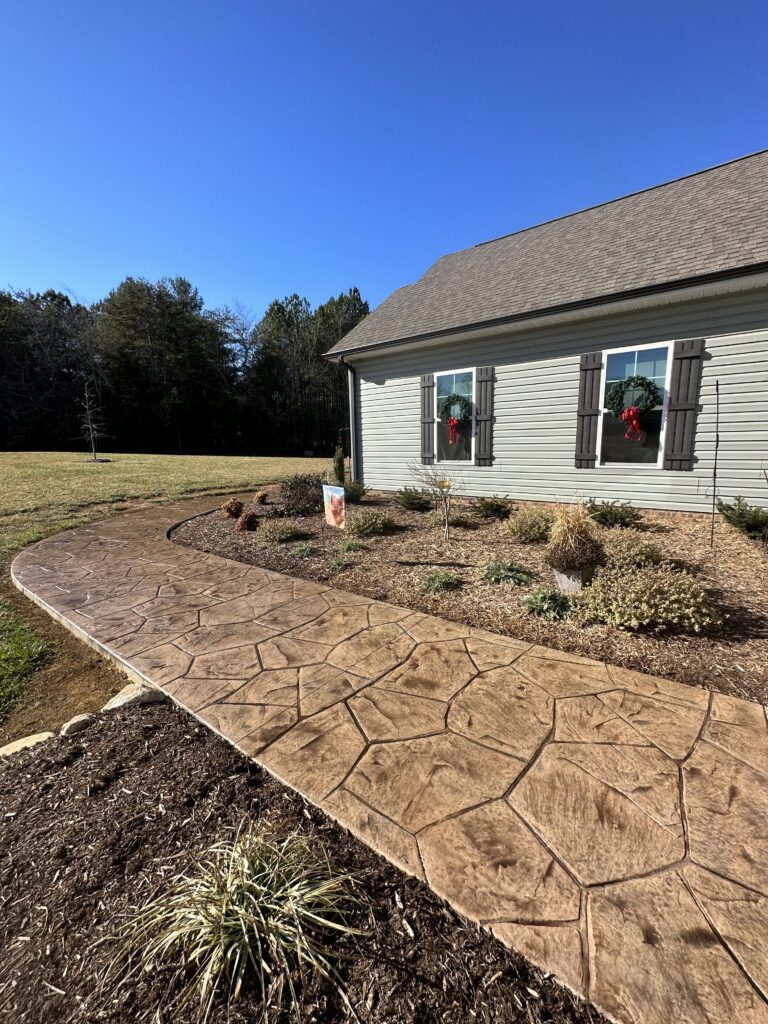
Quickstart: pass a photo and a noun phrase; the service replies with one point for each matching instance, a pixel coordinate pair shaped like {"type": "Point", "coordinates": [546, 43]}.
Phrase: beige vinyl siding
{"type": "Point", "coordinates": [537, 379]}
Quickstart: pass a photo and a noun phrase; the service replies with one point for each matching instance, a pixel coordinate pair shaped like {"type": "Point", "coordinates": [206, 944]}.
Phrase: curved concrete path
{"type": "Point", "coordinates": [611, 826]}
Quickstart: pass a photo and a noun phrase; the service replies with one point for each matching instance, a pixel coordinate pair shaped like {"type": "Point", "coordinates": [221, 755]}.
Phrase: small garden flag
{"type": "Point", "coordinates": [333, 499]}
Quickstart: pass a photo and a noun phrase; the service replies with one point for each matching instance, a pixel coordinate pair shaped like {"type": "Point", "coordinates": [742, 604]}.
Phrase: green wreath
{"type": "Point", "coordinates": [645, 395]}
{"type": "Point", "coordinates": [447, 404]}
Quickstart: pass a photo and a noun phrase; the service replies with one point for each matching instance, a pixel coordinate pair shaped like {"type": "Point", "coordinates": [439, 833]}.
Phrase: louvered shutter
{"type": "Point", "coordinates": [428, 419]}
{"type": "Point", "coordinates": [484, 378]}
{"type": "Point", "coordinates": [588, 411]}
{"type": "Point", "coordinates": [684, 387]}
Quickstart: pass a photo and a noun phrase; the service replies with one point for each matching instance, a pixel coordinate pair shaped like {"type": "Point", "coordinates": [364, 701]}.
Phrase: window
{"type": "Point", "coordinates": [653, 362]}
{"type": "Point", "coordinates": [453, 399]}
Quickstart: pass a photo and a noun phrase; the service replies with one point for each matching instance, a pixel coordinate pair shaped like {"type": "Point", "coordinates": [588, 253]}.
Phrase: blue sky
{"type": "Point", "coordinates": [264, 148]}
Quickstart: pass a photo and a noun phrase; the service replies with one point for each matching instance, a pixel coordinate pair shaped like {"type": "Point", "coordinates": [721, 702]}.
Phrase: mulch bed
{"type": "Point", "coordinates": [732, 658]}
{"type": "Point", "coordinates": [95, 824]}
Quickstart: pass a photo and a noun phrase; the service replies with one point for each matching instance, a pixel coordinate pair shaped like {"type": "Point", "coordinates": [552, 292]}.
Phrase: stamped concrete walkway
{"type": "Point", "coordinates": [611, 826]}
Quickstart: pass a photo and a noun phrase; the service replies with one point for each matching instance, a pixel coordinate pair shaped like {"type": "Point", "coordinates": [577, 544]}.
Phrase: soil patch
{"type": "Point", "coordinates": [95, 824]}
{"type": "Point", "coordinates": [732, 658]}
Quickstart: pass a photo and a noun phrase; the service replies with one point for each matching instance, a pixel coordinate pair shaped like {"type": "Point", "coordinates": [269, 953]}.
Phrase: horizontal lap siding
{"type": "Point", "coordinates": [536, 396]}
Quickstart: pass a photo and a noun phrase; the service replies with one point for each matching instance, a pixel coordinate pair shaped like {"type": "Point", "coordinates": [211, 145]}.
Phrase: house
{"type": "Point", "coordinates": [499, 362]}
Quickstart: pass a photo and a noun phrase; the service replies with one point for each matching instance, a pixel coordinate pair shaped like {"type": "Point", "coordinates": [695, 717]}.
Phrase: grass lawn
{"type": "Point", "coordinates": [46, 674]}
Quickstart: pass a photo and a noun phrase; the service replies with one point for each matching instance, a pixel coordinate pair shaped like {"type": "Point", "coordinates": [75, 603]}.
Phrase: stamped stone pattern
{"type": "Point", "coordinates": [611, 826]}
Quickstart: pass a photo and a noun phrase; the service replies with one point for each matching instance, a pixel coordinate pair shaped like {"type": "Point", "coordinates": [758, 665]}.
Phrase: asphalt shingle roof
{"type": "Point", "coordinates": [707, 223]}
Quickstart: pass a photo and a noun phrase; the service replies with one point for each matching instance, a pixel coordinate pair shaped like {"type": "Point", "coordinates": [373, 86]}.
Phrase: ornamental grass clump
{"type": "Point", "coordinates": [368, 522]}
{"type": "Point", "coordinates": [547, 603]}
{"type": "Point", "coordinates": [258, 912]}
{"type": "Point", "coordinates": [530, 525]}
{"type": "Point", "coordinates": [414, 499]}
{"type": "Point", "coordinates": [630, 549]}
{"type": "Point", "coordinates": [507, 572]}
{"type": "Point", "coordinates": [621, 514]}
{"type": "Point", "coordinates": [440, 580]}
{"type": "Point", "coordinates": [232, 508]}
{"type": "Point", "coordinates": [573, 543]}
{"type": "Point", "coordinates": [247, 520]}
{"type": "Point", "coordinates": [654, 599]}
{"type": "Point", "coordinates": [260, 498]}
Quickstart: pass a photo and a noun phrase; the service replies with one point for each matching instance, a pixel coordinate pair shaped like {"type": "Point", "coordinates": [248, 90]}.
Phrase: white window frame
{"type": "Point", "coordinates": [456, 462]}
{"type": "Point", "coordinates": [632, 466]}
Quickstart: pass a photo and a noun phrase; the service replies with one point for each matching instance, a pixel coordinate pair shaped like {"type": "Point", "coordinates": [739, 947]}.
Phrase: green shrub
{"type": "Point", "coordinates": [232, 508]}
{"type": "Point", "coordinates": [354, 492]}
{"type": "Point", "coordinates": [439, 580]}
{"type": "Point", "coordinates": [493, 508]}
{"type": "Point", "coordinates": [340, 563]}
{"type": "Point", "coordinates": [573, 543]}
{"type": "Point", "coordinates": [277, 531]}
{"type": "Point", "coordinates": [351, 545]}
{"type": "Point", "coordinates": [507, 572]}
{"type": "Point", "coordinates": [748, 519]}
{"type": "Point", "coordinates": [302, 494]}
{"type": "Point", "coordinates": [547, 603]}
{"type": "Point", "coordinates": [654, 599]}
{"type": "Point", "coordinates": [368, 522]}
{"type": "Point", "coordinates": [530, 525]}
{"type": "Point", "coordinates": [455, 518]}
{"type": "Point", "coordinates": [260, 498]}
{"type": "Point", "coordinates": [414, 499]}
{"type": "Point", "coordinates": [620, 514]}
{"type": "Point", "coordinates": [631, 549]}
{"type": "Point", "coordinates": [302, 550]}
{"type": "Point", "coordinates": [339, 468]}
{"type": "Point", "coordinates": [257, 910]}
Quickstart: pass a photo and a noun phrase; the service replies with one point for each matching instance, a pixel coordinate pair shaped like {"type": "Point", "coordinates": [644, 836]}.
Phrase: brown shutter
{"type": "Point", "coordinates": [484, 377]}
{"type": "Point", "coordinates": [684, 386]}
{"type": "Point", "coordinates": [428, 419]}
{"type": "Point", "coordinates": [588, 412]}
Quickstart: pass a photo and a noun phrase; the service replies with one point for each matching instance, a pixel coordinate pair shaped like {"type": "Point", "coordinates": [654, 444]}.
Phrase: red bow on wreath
{"type": "Point", "coordinates": [631, 417]}
{"type": "Point", "coordinates": [453, 426]}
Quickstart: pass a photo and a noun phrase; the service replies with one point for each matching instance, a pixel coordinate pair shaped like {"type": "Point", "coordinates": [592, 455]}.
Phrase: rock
{"type": "Point", "coordinates": [75, 725]}
{"type": "Point", "coordinates": [135, 693]}
{"type": "Point", "coordinates": [24, 743]}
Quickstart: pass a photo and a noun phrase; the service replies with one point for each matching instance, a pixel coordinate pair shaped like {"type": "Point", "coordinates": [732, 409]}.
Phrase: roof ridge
{"type": "Point", "coordinates": [610, 202]}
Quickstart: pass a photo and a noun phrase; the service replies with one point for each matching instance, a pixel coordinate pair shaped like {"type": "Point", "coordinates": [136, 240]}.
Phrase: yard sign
{"type": "Point", "coordinates": [333, 500]}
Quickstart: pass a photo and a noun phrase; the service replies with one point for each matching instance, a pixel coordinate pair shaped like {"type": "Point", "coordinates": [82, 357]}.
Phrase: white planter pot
{"type": "Point", "coordinates": [571, 581]}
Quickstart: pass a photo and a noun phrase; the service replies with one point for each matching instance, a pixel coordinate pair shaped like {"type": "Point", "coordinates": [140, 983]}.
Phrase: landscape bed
{"type": "Point", "coordinates": [97, 823]}
{"type": "Point", "coordinates": [731, 657]}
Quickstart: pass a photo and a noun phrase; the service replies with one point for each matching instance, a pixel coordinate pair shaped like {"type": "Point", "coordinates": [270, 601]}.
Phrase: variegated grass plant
{"type": "Point", "coordinates": [260, 910]}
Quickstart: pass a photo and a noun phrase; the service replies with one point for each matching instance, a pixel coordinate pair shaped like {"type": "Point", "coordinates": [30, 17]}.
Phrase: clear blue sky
{"type": "Point", "coordinates": [264, 148]}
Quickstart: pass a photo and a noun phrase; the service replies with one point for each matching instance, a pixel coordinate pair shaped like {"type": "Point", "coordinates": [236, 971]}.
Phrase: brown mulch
{"type": "Point", "coordinates": [95, 824]}
{"type": "Point", "coordinates": [732, 657]}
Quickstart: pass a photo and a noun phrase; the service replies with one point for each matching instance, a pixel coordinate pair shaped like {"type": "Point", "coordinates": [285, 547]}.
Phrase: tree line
{"type": "Point", "coordinates": [161, 373]}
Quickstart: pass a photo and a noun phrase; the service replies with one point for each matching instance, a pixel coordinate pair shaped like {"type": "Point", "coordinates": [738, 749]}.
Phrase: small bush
{"type": "Point", "coordinates": [748, 519]}
{"type": "Point", "coordinates": [439, 580]}
{"type": "Point", "coordinates": [547, 603]}
{"type": "Point", "coordinates": [302, 550]}
{"type": "Point", "coordinates": [507, 572]}
{"type": "Point", "coordinates": [493, 508]}
{"type": "Point", "coordinates": [277, 531]}
{"type": "Point", "coordinates": [573, 543]}
{"type": "Point", "coordinates": [302, 494]}
{"type": "Point", "coordinates": [455, 518]}
{"type": "Point", "coordinates": [620, 514]}
{"type": "Point", "coordinates": [530, 525]}
{"type": "Point", "coordinates": [258, 910]}
{"type": "Point", "coordinates": [247, 520]}
{"type": "Point", "coordinates": [351, 545]}
{"type": "Point", "coordinates": [354, 492]}
{"type": "Point", "coordinates": [653, 599]}
{"type": "Point", "coordinates": [341, 563]}
{"type": "Point", "coordinates": [260, 498]}
{"type": "Point", "coordinates": [414, 499]}
{"type": "Point", "coordinates": [631, 549]}
{"type": "Point", "coordinates": [339, 469]}
{"type": "Point", "coordinates": [232, 508]}
{"type": "Point", "coordinates": [368, 522]}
